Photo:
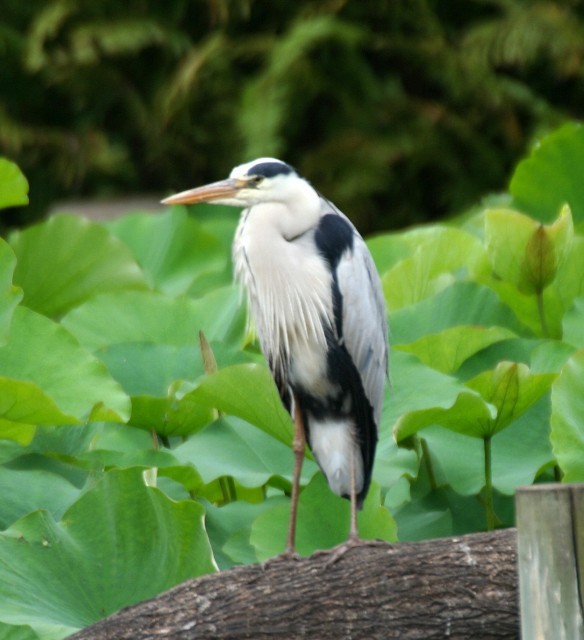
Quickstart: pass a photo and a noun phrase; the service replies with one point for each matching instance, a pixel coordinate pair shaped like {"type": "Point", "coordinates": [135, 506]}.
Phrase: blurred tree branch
{"type": "Point", "coordinates": [400, 112]}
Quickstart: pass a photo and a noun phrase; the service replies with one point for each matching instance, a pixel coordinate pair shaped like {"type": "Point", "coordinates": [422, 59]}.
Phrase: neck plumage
{"type": "Point", "coordinates": [288, 286]}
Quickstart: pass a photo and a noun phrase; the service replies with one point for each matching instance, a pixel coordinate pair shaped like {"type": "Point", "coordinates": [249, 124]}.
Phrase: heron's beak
{"type": "Point", "coordinates": [209, 193]}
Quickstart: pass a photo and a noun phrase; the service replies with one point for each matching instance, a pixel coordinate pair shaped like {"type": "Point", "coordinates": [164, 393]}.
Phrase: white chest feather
{"type": "Point", "coordinates": [289, 293]}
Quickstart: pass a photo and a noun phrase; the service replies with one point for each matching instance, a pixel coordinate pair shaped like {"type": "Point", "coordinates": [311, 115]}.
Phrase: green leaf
{"type": "Point", "coordinates": [247, 391]}
{"type": "Point", "coordinates": [525, 306]}
{"type": "Point", "coordinates": [144, 316]}
{"type": "Point", "coordinates": [120, 543]}
{"type": "Point", "coordinates": [162, 370]}
{"type": "Point", "coordinates": [407, 376]}
{"type": "Point", "coordinates": [557, 297]}
{"type": "Point", "coordinates": [549, 356]}
{"type": "Point", "coordinates": [550, 176]}
{"type": "Point", "coordinates": [390, 248]}
{"type": "Point", "coordinates": [149, 368]}
{"type": "Point", "coordinates": [231, 447]}
{"type": "Point", "coordinates": [507, 233]}
{"type": "Point", "coordinates": [113, 445]}
{"type": "Point", "coordinates": [67, 443]}
{"type": "Point", "coordinates": [524, 252]}
{"type": "Point", "coordinates": [515, 349]}
{"type": "Point", "coordinates": [567, 419]}
{"type": "Point", "coordinates": [443, 512]}
{"type": "Point", "coordinates": [47, 377]}
{"type": "Point", "coordinates": [9, 294]}
{"type": "Point", "coordinates": [423, 519]}
{"type": "Point", "coordinates": [176, 414]}
{"type": "Point", "coordinates": [462, 303]}
{"type": "Point", "coordinates": [447, 350]}
{"type": "Point", "coordinates": [323, 521]}
{"type": "Point", "coordinates": [22, 406]}
{"type": "Point", "coordinates": [150, 345]}
{"type": "Point", "coordinates": [505, 393]}
{"type": "Point", "coordinates": [542, 356]}
{"type": "Point", "coordinates": [17, 632]}
{"type": "Point", "coordinates": [175, 252]}
{"type": "Point", "coordinates": [570, 279]}
{"type": "Point", "coordinates": [24, 490]}
{"type": "Point", "coordinates": [541, 258]}
{"type": "Point", "coordinates": [13, 185]}
{"type": "Point", "coordinates": [561, 235]}
{"type": "Point", "coordinates": [229, 528]}
{"type": "Point", "coordinates": [66, 260]}
{"type": "Point", "coordinates": [432, 267]}
{"type": "Point", "coordinates": [392, 462]}
{"type": "Point", "coordinates": [573, 324]}
{"type": "Point", "coordinates": [14, 430]}
{"type": "Point", "coordinates": [469, 415]}
{"type": "Point", "coordinates": [518, 454]}
{"type": "Point", "coordinates": [511, 388]}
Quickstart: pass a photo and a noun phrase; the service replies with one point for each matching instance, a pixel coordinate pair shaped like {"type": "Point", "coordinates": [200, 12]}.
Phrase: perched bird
{"type": "Point", "coordinates": [316, 300]}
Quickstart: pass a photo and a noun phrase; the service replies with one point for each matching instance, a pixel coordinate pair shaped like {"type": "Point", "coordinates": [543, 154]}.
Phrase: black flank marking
{"type": "Point", "coordinates": [349, 401]}
{"type": "Point", "coordinates": [271, 169]}
{"type": "Point", "coordinates": [337, 306]}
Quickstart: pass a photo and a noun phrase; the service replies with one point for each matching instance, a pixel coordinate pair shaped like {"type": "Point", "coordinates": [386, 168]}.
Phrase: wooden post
{"type": "Point", "coordinates": [550, 527]}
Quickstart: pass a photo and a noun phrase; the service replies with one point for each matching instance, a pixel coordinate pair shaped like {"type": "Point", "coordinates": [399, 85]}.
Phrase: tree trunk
{"type": "Point", "coordinates": [456, 588]}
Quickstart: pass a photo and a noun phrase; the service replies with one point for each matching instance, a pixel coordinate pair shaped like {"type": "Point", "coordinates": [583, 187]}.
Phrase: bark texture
{"type": "Point", "coordinates": [455, 588]}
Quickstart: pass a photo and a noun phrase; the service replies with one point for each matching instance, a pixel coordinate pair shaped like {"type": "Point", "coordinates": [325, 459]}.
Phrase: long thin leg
{"type": "Point", "coordinates": [298, 446]}
{"type": "Point", "coordinates": [353, 531]}
{"type": "Point", "coordinates": [353, 540]}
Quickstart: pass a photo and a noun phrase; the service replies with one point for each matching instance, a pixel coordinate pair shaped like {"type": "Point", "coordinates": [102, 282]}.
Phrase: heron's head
{"type": "Point", "coordinates": [261, 180]}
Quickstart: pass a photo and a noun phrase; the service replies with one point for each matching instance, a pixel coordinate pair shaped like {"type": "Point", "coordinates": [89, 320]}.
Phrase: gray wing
{"type": "Point", "coordinates": [364, 317]}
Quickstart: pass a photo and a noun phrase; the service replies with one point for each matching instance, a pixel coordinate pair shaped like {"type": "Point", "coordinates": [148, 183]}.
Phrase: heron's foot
{"type": "Point", "coordinates": [336, 553]}
{"type": "Point", "coordinates": [339, 551]}
{"type": "Point", "coordinates": [287, 556]}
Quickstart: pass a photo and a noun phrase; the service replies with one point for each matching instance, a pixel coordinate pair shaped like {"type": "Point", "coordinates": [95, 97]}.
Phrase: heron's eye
{"type": "Point", "coordinates": [255, 181]}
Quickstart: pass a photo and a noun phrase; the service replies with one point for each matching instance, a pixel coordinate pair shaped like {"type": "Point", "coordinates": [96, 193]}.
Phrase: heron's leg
{"type": "Point", "coordinates": [353, 540]}
{"type": "Point", "coordinates": [298, 446]}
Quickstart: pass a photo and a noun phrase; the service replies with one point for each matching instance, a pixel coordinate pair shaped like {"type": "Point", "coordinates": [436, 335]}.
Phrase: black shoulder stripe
{"type": "Point", "coordinates": [333, 236]}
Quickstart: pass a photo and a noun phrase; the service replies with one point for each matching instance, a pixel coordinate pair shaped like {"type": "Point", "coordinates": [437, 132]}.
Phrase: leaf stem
{"type": "Point", "coordinates": [224, 489]}
{"type": "Point", "coordinates": [227, 484]}
{"type": "Point", "coordinates": [541, 313]}
{"type": "Point", "coordinates": [150, 475]}
{"type": "Point", "coordinates": [489, 504]}
{"type": "Point", "coordinates": [232, 489]}
{"type": "Point", "coordinates": [428, 463]}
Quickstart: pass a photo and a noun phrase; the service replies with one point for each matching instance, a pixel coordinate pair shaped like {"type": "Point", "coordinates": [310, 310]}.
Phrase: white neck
{"type": "Point", "coordinates": [288, 216]}
{"type": "Point", "coordinates": [267, 245]}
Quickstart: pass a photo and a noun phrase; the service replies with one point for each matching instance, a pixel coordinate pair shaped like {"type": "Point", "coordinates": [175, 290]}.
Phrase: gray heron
{"type": "Point", "coordinates": [316, 300]}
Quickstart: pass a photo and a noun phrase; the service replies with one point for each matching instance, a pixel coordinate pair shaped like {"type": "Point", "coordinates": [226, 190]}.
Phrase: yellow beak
{"type": "Point", "coordinates": [210, 192]}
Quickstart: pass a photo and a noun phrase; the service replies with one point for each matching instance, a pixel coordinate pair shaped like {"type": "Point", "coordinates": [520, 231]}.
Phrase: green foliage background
{"type": "Point", "coordinates": [400, 110]}
{"type": "Point", "coordinates": [142, 438]}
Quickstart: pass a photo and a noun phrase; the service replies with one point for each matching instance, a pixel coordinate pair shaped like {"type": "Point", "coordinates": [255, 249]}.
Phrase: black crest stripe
{"type": "Point", "coordinates": [270, 169]}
